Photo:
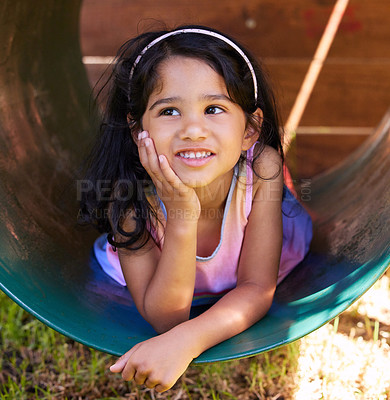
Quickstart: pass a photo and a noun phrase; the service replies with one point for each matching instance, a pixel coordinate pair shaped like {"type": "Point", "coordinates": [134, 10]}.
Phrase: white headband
{"type": "Point", "coordinates": [202, 32]}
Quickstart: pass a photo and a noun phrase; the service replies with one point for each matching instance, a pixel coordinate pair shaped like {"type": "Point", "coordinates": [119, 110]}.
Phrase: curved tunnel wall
{"type": "Point", "coordinates": [44, 116]}
{"type": "Point", "coordinates": [45, 127]}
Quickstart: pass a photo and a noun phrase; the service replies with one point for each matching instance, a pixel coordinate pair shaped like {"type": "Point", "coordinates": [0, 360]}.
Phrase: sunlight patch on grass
{"type": "Point", "coordinates": [350, 359]}
{"type": "Point", "coordinates": [335, 367]}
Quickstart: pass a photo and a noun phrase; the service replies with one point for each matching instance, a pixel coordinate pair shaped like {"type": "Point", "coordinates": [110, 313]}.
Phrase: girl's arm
{"type": "Point", "coordinates": [162, 282]}
{"type": "Point", "coordinates": [258, 266]}
{"type": "Point", "coordinates": [160, 361]}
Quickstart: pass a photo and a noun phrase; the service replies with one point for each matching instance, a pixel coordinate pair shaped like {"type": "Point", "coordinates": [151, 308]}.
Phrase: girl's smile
{"type": "Point", "coordinates": [194, 123]}
{"type": "Point", "coordinates": [195, 157]}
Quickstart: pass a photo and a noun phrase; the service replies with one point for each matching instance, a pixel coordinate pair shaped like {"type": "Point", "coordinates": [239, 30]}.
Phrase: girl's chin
{"type": "Point", "coordinates": [194, 183]}
{"type": "Point", "coordinates": [192, 179]}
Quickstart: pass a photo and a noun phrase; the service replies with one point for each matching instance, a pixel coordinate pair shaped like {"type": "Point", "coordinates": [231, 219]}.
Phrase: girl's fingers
{"type": "Point", "coordinates": [143, 156]}
{"type": "Point", "coordinates": [153, 162]}
{"type": "Point", "coordinates": [157, 166]}
{"type": "Point", "coordinates": [150, 383]}
{"type": "Point", "coordinates": [148, 156]}
{"type": "Point", "coordinates": [122, 361]}
{"type": "Point", "coordinates": [120, 364]}
{"type": "Point", "coordinates": [168, 173]}
{"type": "Point", "coordinates": [162, 388]}
{"type": "Point", "coordinates": [128, 373]}
{"type": "Point", "coordinates": [140, 378]}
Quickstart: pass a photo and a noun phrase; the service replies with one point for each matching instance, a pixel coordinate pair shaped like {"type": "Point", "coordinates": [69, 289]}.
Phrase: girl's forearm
{"type": "Point", "coordinates": [169, 294]}
{"type": "Point", "coordinates": [234, 313]}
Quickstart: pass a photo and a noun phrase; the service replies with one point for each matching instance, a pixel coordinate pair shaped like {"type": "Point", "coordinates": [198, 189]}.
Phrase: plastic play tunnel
{"type": "Point", "coordinates": [45, 264]}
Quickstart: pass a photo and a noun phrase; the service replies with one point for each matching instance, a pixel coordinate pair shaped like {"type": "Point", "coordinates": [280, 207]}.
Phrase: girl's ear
{"type": "Point", "coordinates": [252, 131]}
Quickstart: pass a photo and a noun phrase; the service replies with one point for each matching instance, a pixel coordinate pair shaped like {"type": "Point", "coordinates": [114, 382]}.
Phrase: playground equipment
{"type": "Point", "coordinates": [45, 263]}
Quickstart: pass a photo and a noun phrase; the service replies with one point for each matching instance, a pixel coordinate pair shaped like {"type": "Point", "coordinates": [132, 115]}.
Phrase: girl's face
{"type": "Point", "coordinates": [194, 124]}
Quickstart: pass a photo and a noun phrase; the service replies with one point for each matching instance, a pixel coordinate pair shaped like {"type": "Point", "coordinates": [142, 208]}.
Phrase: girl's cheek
{"type": "Point", "coordinates": [145, 122]}
{"type": "Point", "coordinates": [157, 147]}
{"type": "Point", "coordinates": [154, 138]}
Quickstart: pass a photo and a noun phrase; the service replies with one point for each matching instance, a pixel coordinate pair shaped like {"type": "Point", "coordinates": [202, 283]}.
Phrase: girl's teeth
{"type": "Point", "coordinates": [198, 154]}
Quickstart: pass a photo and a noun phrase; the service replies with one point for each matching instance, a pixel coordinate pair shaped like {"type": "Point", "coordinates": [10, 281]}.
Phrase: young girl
{"type": "Point", "coordinates": [194, 202]}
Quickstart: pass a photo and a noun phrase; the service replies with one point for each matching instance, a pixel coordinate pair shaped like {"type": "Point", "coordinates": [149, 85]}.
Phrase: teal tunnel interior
{"type": "Point", "coordinates": [45, 264]}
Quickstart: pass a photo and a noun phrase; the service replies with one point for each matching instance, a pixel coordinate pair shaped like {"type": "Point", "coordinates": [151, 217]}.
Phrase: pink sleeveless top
{"type": "Point", "coordinates": [217, 274]}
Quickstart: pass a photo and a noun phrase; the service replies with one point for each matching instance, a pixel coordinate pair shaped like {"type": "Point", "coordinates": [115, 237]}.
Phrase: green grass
{"type": "Point", "coordinates": [38, 363]}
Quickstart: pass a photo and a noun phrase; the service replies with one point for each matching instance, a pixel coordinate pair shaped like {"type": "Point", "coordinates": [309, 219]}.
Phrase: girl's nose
{"type": "Point", "coordinates": [193, 130]}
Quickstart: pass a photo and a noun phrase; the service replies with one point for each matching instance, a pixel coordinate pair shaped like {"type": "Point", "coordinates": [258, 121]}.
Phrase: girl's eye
{"type": "Point", "coordinates": [214, 110]}
{"type": "Point", "coordinates": [169, 112]}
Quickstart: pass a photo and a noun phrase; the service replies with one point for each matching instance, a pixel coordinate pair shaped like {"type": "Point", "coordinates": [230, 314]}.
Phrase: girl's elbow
{"type": "Point", "coordinates": [166, 315]}
{"type": "Point", "coordinates": [262, 298]}
{"type": "Point", "coordinates": [163, 323]}
{"type": "Point", "coordinates": [261, 291]}
{"type": "Point", "coordinates": [268, 302]}
{"type": "Point", "coordinates": [268, 297]}
{"type": "Point", "coordinates": [165, 326]}
{"type": "Point", "coordinates": [162, 327]}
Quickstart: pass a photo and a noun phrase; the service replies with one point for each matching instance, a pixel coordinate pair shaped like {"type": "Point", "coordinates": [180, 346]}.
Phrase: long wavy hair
{"type": "Point", "coordinates": [115, 176]}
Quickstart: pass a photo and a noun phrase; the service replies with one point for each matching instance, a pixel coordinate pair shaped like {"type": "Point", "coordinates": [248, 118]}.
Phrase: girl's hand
{"type": "Point", "coordinates": [181, 201]}
{"type": "Point", "coordinates": [156, 363]}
